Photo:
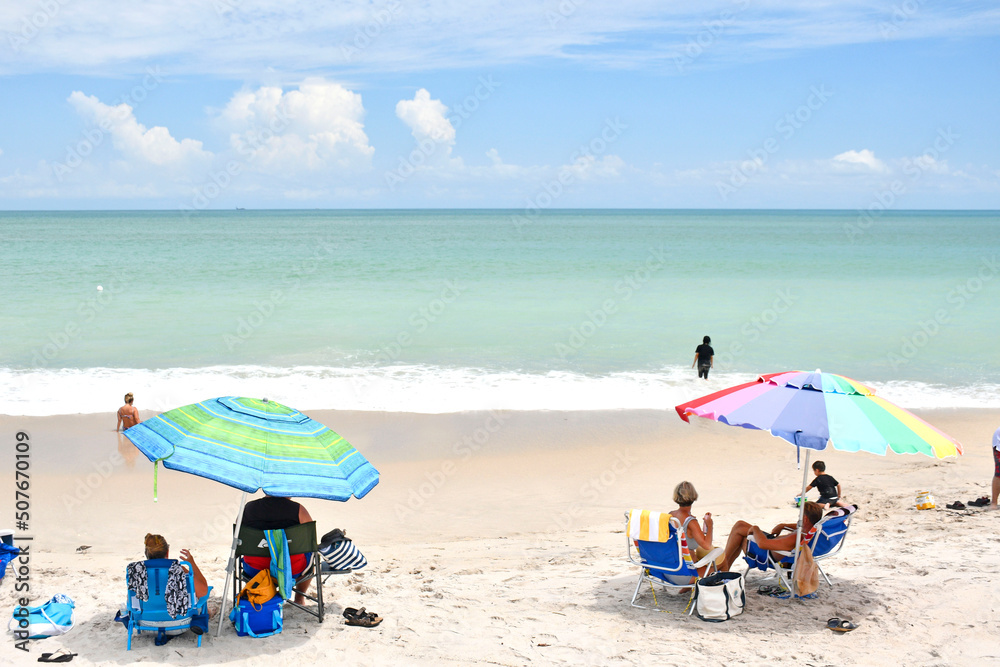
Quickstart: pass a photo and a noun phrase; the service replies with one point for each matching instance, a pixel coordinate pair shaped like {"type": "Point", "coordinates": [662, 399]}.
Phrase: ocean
{"type": "Point", "coordinates": [450, 310]}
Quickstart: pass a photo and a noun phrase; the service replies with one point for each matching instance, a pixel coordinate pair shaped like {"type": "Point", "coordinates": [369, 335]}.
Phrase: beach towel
{"type": "Point", "coordinates": [281, 562]}
{"type": "Point", "coordinates": [137, 582]}
{"type": "Point", "coordinates": [649, 526]}
{"type": "Point", "coordinates": [177, 594]}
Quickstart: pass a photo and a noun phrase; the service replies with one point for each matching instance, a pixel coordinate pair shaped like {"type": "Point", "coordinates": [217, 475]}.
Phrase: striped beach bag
{"type": "Point", "coordinates": [340, 553]}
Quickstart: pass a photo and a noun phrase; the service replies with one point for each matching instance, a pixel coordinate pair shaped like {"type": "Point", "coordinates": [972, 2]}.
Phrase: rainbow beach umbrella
{"type": "Point", "coordinates": [812, 410]}
{"type": "Point", "coordinates": [252, 444]}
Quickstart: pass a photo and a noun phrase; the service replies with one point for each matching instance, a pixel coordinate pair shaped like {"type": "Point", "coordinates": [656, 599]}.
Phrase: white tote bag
{"type": "Point", "coordinates": [720, 596]}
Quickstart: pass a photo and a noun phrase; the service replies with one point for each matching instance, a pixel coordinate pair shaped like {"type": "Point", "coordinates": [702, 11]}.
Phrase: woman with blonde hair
{"type": "Point", "coordinates": [128, 416]}
{"type": "Point", "coordinates": [697, 539]}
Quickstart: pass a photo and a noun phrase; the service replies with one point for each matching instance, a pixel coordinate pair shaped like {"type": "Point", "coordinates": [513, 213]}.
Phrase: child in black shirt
{"type": "Point", "coordinates": [828, 487]}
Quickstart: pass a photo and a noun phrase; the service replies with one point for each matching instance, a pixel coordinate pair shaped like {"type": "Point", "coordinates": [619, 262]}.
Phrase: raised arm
{"type": "Point", "coordinates": [200, 584]}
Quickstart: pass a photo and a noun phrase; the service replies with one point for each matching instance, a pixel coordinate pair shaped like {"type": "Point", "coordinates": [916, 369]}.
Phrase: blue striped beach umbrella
{"type": "Point", "coordinates": [255, 444]}
{"type": "Point", "coordinates": [252, 444]}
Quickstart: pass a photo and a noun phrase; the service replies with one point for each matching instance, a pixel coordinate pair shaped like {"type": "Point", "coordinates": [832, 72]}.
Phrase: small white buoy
{"type": "Point", "coordinates": [100, 289]}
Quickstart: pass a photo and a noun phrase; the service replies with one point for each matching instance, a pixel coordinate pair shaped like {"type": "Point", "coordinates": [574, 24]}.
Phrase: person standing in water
{"type": "Point", "coordinates": [703, 356]}
{"type": "Point", "coordinates": [128, 416]}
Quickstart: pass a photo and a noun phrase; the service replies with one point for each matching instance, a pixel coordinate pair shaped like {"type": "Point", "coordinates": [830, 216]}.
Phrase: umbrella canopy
{"type": "Point", "coordinates": [812, 409]}
{"type": "Point", "coordinates": [253, 444]}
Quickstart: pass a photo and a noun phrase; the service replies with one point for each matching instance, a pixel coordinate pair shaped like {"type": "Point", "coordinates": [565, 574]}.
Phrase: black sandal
{"type": "Point", "coordinates": [957, 505]}
{"type": "Point", "coordinates": [361, 618]}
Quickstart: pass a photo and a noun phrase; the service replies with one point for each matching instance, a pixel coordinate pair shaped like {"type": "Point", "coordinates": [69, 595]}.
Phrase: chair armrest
{"type": "Point", "coordinates": [710, 557]}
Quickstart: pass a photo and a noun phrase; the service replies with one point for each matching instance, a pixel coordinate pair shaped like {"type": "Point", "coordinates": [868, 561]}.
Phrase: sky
{"type": "Point", "coordinates": [533, 104]}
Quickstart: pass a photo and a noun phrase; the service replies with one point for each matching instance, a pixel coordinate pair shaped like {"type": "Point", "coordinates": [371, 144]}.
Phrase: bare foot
{"type": "Point", "coordinates": [299, 598]}
{"type": "Point", "coordinates": [993, 507]}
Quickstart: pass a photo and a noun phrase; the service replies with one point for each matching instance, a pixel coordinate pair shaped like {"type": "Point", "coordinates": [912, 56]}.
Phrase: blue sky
{"type": "Point", "coordinates": [213, 104]}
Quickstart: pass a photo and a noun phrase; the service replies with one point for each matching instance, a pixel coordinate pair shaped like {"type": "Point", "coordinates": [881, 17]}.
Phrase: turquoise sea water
{"type": "Point", "coordinates": [448, 310]}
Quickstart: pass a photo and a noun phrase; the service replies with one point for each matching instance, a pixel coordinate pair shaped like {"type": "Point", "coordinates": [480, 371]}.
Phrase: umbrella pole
{"type": "Point", "coordinates": [232, 561]}
{"type": "Point", "coordinates": [798, 528]}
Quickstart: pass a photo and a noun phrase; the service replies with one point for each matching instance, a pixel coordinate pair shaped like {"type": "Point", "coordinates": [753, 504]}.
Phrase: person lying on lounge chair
{"type": "Point", "coordinates": [745, 537]}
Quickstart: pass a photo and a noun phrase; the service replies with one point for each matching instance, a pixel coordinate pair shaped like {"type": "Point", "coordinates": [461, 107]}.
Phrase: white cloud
{"type": "Point", "coordinates": [317, 127]}
{"type": "Point", "coordinates": [130, 137]}
{"type": "Point", "coordinates": [427, 118]}
{"type": "Point", "coordinates": [863, 158]}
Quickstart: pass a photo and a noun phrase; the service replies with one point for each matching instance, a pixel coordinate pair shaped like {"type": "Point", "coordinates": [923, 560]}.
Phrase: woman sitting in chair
{"type": "Point", "coordinates": [696, 539]}
{"type": "Point", "coordinates": [745, 537]}
{"type": "Point", "coordinates": [274, 513]}
{"type": "Point", "coordinates": [157, 547]}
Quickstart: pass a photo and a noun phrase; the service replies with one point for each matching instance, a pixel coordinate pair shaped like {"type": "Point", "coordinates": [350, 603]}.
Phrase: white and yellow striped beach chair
{"type": "Point", "coordinates": [661, 557]}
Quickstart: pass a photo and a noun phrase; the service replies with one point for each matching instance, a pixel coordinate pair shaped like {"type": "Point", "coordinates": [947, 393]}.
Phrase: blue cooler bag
{"type": "Point", "coordinates": [262, 622]}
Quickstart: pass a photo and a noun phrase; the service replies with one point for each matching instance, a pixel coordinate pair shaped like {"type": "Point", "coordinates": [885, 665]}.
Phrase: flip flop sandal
{"type": "Point", "coordinates": [957, 505]}
{"type": "Point", "coordinates": [365, 620]}
{"type": "Point", "coordinates": [769, 589]}
{"type": "Point", "coordinates": [62, 655]}
{"type": "Point", "coordinates": [842, 626]}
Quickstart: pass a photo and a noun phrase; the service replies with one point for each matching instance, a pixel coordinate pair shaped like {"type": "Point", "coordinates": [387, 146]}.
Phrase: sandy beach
{"type": "Point", "coordinates": [497, 538]}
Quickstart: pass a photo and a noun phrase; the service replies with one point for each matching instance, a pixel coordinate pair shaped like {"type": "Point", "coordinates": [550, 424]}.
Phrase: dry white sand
{"type": "Point", "coordinates": [498, 539]}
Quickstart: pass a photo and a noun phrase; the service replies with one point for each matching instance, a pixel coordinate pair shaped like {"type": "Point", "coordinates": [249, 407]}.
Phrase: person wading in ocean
{"type": "Point", "coordinates": [703, 356]}
{"type": "Point", "coordinates": [128, 416]}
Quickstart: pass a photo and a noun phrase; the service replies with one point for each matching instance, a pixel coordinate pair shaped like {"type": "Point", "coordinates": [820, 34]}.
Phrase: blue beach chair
{"type": "Point", "coordinates": [151, 615]}
{"type": "Point", "coordinates": [661, 559]}
{"type": "Point", "coordinates": [828, 540]}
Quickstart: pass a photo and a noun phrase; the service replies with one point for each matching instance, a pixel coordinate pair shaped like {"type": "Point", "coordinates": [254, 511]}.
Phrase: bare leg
{"type": "Point", "coordinates": [996, 492]}
{"type": "Point", "coordinates": [735, 544]}
{"type": "Point", "coordinates": [300, 590]}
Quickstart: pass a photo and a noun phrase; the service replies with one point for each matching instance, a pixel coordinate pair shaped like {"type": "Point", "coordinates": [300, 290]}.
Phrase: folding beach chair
{"type": "Point", "coordinates": [661, 558]}
{"type": "Point", "coordinates": [301, 540]}
{"type": "Point", "coordinates": [827, 541]}
{"type": "Point", "coordinates": [151, 615]}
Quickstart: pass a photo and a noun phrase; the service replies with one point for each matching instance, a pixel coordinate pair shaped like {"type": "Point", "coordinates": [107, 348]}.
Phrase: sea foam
{"type": "Point", "coordinates": [423, 389]}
